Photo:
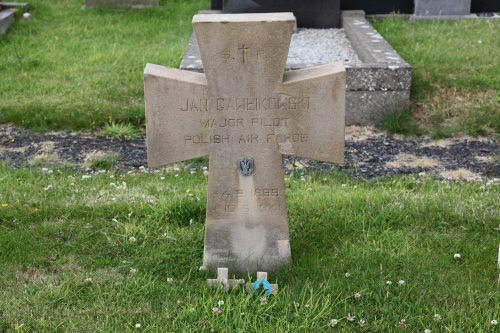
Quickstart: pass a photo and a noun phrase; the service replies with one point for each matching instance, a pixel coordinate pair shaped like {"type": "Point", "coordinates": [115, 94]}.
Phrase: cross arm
{"type": "Point", "coordinates": [175, 102]}
{"type": "Point", "coordinates": [321, 118]}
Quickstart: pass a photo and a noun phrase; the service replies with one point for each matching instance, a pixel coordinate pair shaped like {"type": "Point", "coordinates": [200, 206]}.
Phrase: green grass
{"type": "Point", "coordinates": [456, 72]}
{"type": "Point", "coordinates": [102, 160]}
{"type": "Point", "coordinates": [54, 239]}
{"type": "Point", "coordinates": [74, 69]}
{"type": "Point", "coordinates": [122, 131]}
{"type": "Point", "coordinates": [70, 68]}
{"type": "Point", "coordinates": [401, 122]}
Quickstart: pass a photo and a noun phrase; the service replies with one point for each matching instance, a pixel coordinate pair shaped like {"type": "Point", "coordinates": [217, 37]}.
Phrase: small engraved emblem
{"type": "Point", "coordinates": [245, 166]}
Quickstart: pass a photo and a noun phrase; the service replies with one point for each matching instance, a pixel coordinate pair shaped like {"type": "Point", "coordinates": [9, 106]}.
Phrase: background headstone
{"type": "Point", "coordinates": [216, 4]}
{"type": "Point", "coordinates": [309, 13]}
{"type": "Point", "coordinates": [121, 3]}
{"type": "Point", "coordinates": [481, 6]}
{"type": "Point", "coordinates": [442, 7]}
{"type": "Point", "coordinates": [395, 6]}
{"type": "Point", "coordinates": [379, 6]}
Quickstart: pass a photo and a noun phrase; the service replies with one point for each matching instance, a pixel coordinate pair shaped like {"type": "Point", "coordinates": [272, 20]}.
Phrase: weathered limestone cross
{"type": "Point", "coordinates": [244, 113]}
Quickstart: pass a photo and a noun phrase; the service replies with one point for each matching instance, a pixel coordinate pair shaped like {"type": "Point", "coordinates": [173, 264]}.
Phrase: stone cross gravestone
{"type": "Point", "coordinates": [244, 113]}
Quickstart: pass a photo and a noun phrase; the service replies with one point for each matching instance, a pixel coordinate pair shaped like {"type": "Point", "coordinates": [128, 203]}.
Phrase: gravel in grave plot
{"type": "Point", "coordinates": [312, 47]}
{"type": "Point", "coordinates": [368, 153]}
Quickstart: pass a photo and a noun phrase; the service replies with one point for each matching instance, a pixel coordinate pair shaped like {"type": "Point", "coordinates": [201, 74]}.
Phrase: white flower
{"type": "Point", "coordinates": [86, 176]}
{"type": "Point", "coordinates": [263, 301]}
{"type": "Point", "coordinates": [137, 326]}
{"type": "Point", "coordinates": [162, 178]}
{"type": "Point", "coordinates": [427, 330]}
{"type": "Point", "coordinates": [221, 303]}
{"type": "Point", "coordinates": [388, 282]}
{"type": "Point", "coordinates": [132, 239]}
{"type": "Point", "coordinates": [170, 280]}
{"type": "Point", "coordinates": [350, 318]}
{"type": "Point", "coordinates": [401, 282]}
{"type": "Point", "coordinates": [205, 173]}
{"type": "Point", "coordinates": [296, 304]}
{"type": "Point", "coordinates": [347, 274]}
{"type": "Point", "coordinates": [362, 323]}
{"type": "Point", "coordinates": [343, 185]}
{"type": "Point", "coordinates": [306, 306]}
{"type": "Point", "coordinates": [357, 296]}
{"type": "Point", "coordinates": [437, 316]}
{"type": "Point", "coordinates": [133, 270]}
{"type": "Point", "coordinates": [457, 256]}
{"type": "Point", "coordinates": [216, 311]}
{"type": "Point", "coordinates": [88, 280]}
{"type": "Point", "coordinates": [494, 322]}
{"type": "Point", "coordinates": [333, 322]}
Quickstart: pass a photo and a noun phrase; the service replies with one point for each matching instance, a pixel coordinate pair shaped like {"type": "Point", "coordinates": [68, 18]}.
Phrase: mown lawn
{"type": "Point", "coordinates": [94, 253]}
{"type": "Point", "coordinates": [76, 69]}
{"type": "Point", "coordinates": [71, 68]}
{"type": "Point", "coordinates": [456, 78]}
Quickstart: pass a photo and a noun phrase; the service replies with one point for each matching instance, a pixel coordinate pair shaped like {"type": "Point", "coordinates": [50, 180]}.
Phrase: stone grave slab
{"type": "Point", "coordinates": [244, 113]}
{"type": "Point", "coordinates": [378, 79]}
{"type": "Point", "coordinates": [309, 13]}
{"type": "Point", "coordinates": [121, 3]}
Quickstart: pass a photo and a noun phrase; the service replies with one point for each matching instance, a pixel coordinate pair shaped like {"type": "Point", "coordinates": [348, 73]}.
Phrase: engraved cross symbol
{"type": "Point", "coordinates": [243, 48]}
{"type": "Point", "coordinates": [255, 111]}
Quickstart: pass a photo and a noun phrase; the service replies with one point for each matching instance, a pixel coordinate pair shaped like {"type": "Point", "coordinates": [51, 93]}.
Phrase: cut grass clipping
{"type": "Point", "coordinates": [118, 252]}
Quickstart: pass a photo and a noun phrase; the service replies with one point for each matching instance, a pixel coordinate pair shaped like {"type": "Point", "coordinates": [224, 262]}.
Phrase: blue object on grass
{"type": "Point", "coordinates": [257, 285]}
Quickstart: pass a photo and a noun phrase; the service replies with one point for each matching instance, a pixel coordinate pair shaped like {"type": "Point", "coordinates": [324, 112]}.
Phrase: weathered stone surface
{"type": "Point", "coordinates": [309, 13]}
{"type": "Point", "coordinates": [244, 113]}
{"type": "Point", "coordinates": [121, 3]}
{"type": "Point", "coordinates": [7, 17]}
{"type": "Point", "coordinates": [442, 7]}
{"type": "Point", "coordinates": [368, 107]}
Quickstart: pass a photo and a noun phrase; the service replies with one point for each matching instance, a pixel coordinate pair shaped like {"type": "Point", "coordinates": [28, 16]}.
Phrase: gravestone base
{"type": "Point", "coordinates": [442, 7]}
{"type": "Point", "coordinates": [378, 79]}
{"type": "Point", "coordinates": [7, 17]}
{"type": "Point", "coordinates": [121, 4]}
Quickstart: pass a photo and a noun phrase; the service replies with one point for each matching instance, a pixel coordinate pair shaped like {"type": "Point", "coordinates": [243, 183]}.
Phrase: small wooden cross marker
{"type": "Point", "coordinates": [245, 112]}
{"type": "Point", "coordinates": [224, 281]}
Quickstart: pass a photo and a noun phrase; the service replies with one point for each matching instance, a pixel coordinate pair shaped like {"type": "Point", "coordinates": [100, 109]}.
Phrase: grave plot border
{"type": "Point", "coordinates": [380, 84]}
